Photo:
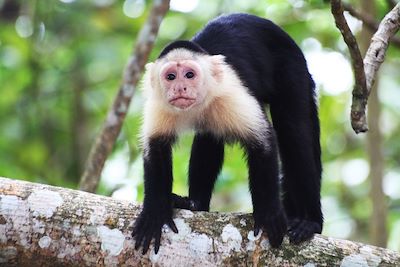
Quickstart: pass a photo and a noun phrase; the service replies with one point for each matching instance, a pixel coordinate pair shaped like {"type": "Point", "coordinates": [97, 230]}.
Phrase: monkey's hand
{"type": "Point", "coordinates": [185, 203]}
{"type": "Point", "coordinates": [301, 230]}
{"type": "Point", "coordinates": [148, 226]}
{"type": "Point", "coordinates": [275, 225]}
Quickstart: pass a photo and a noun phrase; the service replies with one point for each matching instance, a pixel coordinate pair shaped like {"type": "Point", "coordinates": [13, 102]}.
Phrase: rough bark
{"type": "Point", "coordinates": [43, 225]}
{"type": "Point", "coordinates": [379, 44]}
{"type": "Point", "coordinates": [116, 115]}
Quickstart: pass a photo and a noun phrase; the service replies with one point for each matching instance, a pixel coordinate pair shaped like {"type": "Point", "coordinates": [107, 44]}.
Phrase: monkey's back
{"type": "Point", "coordinates": [260, 51]}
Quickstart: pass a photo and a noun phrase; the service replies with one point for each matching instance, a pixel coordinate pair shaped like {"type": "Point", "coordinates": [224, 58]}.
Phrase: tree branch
{"type": "Point", "coordinates": [379, 43]}
{"type": "Point", "coordinates": [360, 92]}
{"type": "Point", "coordinates": [368, 21]}
{"type": "Point", "coordinates": [116, 115]}
{"type": "Point", "coordinates": [365, 18]}
{"type": "Point", "coordinates": [43, 226]}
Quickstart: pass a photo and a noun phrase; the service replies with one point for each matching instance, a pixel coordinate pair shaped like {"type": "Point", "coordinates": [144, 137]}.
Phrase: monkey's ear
{"type": "Point", "coordinates": [149, 78]}
{"type": "Point", "coordinates": [218, 59]}
{"type": "Point", "coordinates": [217, 62]}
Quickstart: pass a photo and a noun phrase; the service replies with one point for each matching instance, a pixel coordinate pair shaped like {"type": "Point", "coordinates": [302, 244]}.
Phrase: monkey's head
{"type": "Point", "coordinates": [183, 79]}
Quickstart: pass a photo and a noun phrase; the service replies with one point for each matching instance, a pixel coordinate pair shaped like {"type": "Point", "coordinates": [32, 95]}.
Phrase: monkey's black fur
{"type": "Point", "coordinates": [182, 44]}
{"type": "Point", "coordinates": [273, 68]}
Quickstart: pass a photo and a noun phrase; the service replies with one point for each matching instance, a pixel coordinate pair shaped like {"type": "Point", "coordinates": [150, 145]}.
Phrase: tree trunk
{"type": "Point", "coordinates": [116, 114]}
{"type": "Point", "coordinates": [79, 129]}
{"type": "Point", "coordinates": [43, 225]}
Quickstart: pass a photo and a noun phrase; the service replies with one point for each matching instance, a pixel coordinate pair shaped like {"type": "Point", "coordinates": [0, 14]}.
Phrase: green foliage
{"type": "Point", "coordinates": [60, 70]}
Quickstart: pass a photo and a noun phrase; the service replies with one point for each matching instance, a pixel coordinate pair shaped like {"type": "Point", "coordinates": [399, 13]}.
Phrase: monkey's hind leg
{"type": "Point", "coordinates": [295, 120]}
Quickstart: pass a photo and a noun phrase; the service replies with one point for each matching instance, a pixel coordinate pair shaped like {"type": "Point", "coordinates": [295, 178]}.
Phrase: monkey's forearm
{"type": "Point", "coordinates": [157, 205]}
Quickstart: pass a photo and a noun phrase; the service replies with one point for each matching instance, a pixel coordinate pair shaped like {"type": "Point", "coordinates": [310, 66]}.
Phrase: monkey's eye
{"type": "Point", "coordinates": [189, 75]}
{"type": "Point", "coordinates": [171, 76]}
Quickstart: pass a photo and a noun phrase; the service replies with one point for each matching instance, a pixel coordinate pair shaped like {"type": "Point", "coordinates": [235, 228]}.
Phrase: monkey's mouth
{"type": "Point", "coordinates": [182, 102]}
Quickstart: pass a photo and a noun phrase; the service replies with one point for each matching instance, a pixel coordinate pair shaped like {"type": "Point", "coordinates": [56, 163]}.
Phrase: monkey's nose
{"type": "Point", "coordinates": [180, 89]}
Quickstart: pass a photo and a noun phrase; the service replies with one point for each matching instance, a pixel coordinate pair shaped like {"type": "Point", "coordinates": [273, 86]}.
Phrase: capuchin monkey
{"type": "Point", "coordinates": [217, 85]}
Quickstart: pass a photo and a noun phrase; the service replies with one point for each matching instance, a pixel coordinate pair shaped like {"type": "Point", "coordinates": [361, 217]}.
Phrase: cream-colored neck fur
{"type": "Point", "coordinates": [228, 110]}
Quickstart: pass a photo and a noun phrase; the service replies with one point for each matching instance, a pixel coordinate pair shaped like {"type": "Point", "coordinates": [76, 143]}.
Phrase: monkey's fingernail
{"type": "Point", "coordinates": [173, 227]}
{"type": "Point", "coordinates": [256, 231]}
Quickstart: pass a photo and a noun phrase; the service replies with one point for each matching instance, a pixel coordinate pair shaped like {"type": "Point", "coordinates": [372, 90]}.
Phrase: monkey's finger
{"type": "Point", "coordinates": [257, 228]}
{"type": "Point", "coordinates": [148, 235]}
{"type": "Point", "coordinates": [138, 224]}
{"type": "Point", "coordinates": [295, 237]}
{"type": "Point", "coordinates": [172, 225]}
{"type": "Point", "coordinates": [138, 242]}
{"type": "Point", "coordinates": [303, 232]}
{"type": "Point", "coordinates": [140, 233]}
{"type": "Point", "coordinates": [293, 224]}
{"type": "Point", "coordinates": [281, 229]}
{"type": "Point", "coordinates": [275, 235]}
{"type": "Point", "coordinates": [157, 240]}
{"type": "Point", "coordinates": [272, 238]}
{"type": "Point", "coordinates": [256, 231]}
{"type": "Point", "coordinates": [275, 241]}
{"type": "Point", "coordinates": [146, 242]}
{"type": "Point", "coordinates": [135, 231]}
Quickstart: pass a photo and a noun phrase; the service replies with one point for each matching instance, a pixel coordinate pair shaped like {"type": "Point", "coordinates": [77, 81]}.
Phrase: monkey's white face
{"type": "Point", "coordinates": [186, 91]}
{"type": "Point", "coordinates": [181, 83]}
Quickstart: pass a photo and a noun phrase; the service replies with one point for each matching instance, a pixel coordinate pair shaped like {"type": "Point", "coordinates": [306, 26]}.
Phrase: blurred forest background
{"type": "Point", "coordinates": [61, 63]}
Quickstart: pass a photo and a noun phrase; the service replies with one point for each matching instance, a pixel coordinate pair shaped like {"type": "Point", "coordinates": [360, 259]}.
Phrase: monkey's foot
{"type": "Point", "coordinates": [301, 230]}
{"type": "Point", "coordinates": [179, 202]}
{"type": "Point", "coordinates": [274, 225]}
